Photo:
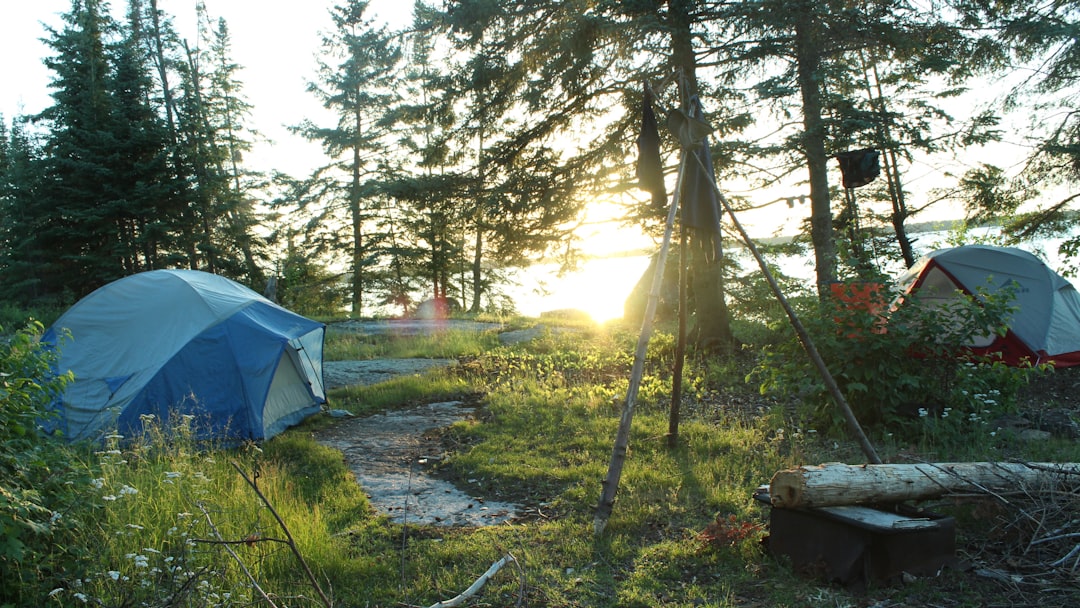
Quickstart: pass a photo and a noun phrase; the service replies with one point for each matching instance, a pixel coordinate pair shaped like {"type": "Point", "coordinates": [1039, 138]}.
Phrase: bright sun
{"type": "Point", "coordinates": [600, 288]}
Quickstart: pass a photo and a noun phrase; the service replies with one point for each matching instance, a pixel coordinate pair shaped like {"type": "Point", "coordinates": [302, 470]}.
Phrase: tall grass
{"type": "Point", "coordinates": [431, 386]}
{"type": "Point", "coordinates": [158, 509]}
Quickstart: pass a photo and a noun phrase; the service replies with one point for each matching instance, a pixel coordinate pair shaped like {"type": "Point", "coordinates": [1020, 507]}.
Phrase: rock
{"type": "Point", "coordinates": [1034, 435]}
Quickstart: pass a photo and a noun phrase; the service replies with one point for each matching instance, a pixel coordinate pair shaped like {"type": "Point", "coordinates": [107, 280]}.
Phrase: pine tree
{"type": "Point", "coordinates": [20, 248]}
{"type": "Point", "coordinates": [212, 121]}
{"type": "Point", "coordinates": [357, 89]}
{"type": "Point", "coordinates": [80, 236]}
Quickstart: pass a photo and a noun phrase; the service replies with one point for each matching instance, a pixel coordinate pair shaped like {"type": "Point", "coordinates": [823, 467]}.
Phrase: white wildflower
{"type": "Point", "coordinates": [114, 575]}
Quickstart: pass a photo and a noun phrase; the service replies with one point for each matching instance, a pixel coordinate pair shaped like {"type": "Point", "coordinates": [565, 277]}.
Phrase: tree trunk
{"type": "Point", "coordinates": [477, 273]}
{"type": "Point", "coordinates": [712, 328]}
{"type": "Point", "coordinates": [891, 170]}
{"type": "Point", "coordinates": [357, 227]}
{"type": "Point", "coordinates": [808, 59]}
{"type": "Point", "coordinates": [841, 484]}
{"type": "Point", "coordinates": [900, 211]}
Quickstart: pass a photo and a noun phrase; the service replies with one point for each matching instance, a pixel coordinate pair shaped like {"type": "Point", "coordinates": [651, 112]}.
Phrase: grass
{"type": "Point", "coordinates": [349, 346]}
{"type": "Point", "coordinates": [684, 531]}
{"type": "Point", "coordinates": [429, 387]}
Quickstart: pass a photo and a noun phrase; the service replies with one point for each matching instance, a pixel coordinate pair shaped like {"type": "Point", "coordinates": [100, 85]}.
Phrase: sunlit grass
{"type": "Point", "coordinates": [431, 386]}
{"type": "Point", "coordinates": [349, 346]}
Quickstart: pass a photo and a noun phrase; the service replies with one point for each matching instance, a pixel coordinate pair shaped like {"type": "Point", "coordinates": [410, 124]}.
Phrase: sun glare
{"type": "Point", "coordinates": [599, 289]}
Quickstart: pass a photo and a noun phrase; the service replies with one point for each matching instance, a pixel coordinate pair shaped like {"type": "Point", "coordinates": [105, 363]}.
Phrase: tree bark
{"type": "Point", "coordinates": [357, 221]}
{"type": "Point", "coordinates": [808, 58]}
{"type": "Point", "coordinates": [841, 484]}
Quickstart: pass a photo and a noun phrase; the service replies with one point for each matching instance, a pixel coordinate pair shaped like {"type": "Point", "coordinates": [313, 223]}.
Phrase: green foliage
{"type": "Point", "coordinates": [33, 496]}
{"type": "Point", "coordinates": [309, 289]}
{"type": "Point", "coordinates": [894, 370]}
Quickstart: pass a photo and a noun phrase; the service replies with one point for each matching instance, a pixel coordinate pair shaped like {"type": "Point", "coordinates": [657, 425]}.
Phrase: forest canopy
{"type": "Point", "coordinates": [472, 140]}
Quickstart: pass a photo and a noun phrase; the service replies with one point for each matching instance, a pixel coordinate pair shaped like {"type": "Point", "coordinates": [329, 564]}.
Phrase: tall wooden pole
{"type": "Point", "coordinates": [610, 484]}
{"type": "Point", "coordinates": [680, 346]}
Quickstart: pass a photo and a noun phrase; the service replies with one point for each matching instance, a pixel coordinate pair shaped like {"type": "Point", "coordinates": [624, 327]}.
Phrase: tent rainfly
{"type": "Point", "coordinates": [1046, 325]}
{"type": "Point", "coordinates": [185, 342]}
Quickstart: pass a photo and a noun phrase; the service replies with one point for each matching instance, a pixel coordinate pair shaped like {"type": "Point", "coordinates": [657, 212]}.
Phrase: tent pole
{"type": "Point", "coordinates": [804, 337]}
{"type": "Point", "coordinates": [610, 484]}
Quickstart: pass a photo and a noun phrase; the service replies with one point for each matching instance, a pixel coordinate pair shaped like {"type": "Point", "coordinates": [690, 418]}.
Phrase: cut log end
{"type": "Point", "coordinates": [786, 488]}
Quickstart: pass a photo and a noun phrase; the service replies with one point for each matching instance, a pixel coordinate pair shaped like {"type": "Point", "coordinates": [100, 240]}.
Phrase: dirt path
{"type": "Point", "coordinates": [389, 452]}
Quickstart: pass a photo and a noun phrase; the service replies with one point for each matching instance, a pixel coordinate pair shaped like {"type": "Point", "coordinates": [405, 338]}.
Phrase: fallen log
{"type": "Point", "coordinates": [837, 484]}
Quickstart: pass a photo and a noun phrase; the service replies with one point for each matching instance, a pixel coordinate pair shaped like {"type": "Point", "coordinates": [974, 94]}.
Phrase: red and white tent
{"type": "Point", "coordinates": [1046, 325]}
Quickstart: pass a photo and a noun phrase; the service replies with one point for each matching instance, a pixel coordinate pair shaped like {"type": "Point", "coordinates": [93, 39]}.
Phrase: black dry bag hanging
{"type": "Point", "coordinates": [859, 167]}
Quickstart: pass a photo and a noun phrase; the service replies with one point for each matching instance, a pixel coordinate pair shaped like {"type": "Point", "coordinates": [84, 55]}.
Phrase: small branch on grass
{"type": "Point", "coordinates": [1049, 539]}
{"type": "Point", "coordinates": [1068, 556]}
{"type": "Point", "coordinates": [288, 535]}
{"type": "Point", "coordinates": [250, 541]}
{"type": "Point", "coordinates": [240, 562]}
{"type": "Point", "coordinates": [471, 591]}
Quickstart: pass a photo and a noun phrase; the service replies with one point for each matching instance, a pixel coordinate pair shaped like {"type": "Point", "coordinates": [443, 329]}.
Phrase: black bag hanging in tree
{"type": "Point", "coordinates": [859, 167]}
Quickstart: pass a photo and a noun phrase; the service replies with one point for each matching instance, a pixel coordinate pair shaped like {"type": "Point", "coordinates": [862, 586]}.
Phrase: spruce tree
{"type": "Point", "coordinates": [355, 83]}
{"type": "Point", "coordinates": [80, 235]}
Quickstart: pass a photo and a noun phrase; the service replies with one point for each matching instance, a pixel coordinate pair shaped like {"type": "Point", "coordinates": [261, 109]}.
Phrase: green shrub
{"type": "Point", "coordinates": [36, 476]}
{"type": "Point", "coordinates": [894, 373]}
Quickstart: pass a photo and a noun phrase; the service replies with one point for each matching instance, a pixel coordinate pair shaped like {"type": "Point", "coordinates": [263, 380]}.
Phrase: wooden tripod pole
{"type": "Point", "coordinates": [804, 336]}
{"type": "Point", "coordinates": [610, 484]}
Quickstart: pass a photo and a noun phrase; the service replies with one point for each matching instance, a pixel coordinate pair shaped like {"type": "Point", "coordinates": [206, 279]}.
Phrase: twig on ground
{"type": "Point", "coordinates": [473, 588]}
